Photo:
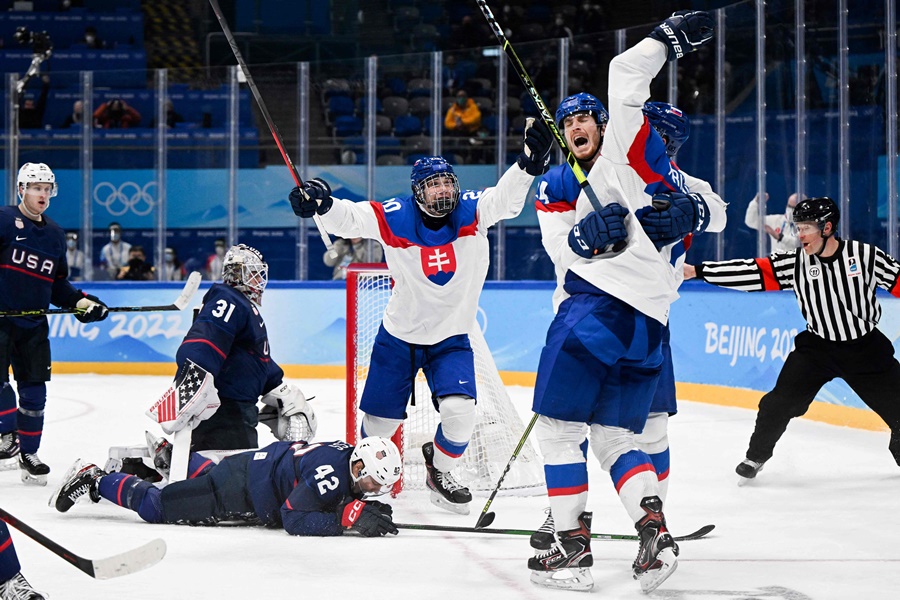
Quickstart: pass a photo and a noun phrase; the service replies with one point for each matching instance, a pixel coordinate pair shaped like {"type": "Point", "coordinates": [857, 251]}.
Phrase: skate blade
{"type": "Point", "coordinates": [9, 464]}
{"type": "Point", "coordinates": [76, 466]}
{"type": "Point", "coordinates": [29, 479]}
{"type": "Point", "coordinates": [742, 481]}
{"type": "Point", "coordinates": [654, 578]}
{"type": "Point", "coordinates": [441, 502]}
{"type": "Point", "coordinates": [578, 580]}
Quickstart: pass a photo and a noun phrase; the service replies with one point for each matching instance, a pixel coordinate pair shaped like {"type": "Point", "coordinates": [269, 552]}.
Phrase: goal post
{"type": "Point", "coordinates": [498, 426]}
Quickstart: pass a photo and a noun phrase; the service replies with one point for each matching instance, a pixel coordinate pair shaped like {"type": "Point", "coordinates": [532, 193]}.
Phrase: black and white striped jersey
{"type": "Point", "coordinates": [836, 294]}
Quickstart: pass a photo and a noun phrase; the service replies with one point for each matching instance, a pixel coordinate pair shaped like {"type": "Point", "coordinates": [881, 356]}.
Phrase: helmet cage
{"type": "Point", "coordinates": [670, 123]}
{"type": "Point", "coordinates": [380, 460]}
{"type": "Point", "coordinates": [245, 270]}
{"type": "Point", "coordinates": [35, 173]}
{"type": "Point", "coordinates": [432, 171]}
{"type": "Point", "coordinates": [581, 103]}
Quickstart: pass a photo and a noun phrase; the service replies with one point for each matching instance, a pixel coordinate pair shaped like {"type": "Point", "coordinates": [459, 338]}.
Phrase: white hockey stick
{"type": "Point", "coordinates": [181, 453]}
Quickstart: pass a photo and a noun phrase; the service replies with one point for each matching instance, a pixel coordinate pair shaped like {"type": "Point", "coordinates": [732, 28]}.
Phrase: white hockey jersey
{"type": "Point", "coordinates": [438, 275]}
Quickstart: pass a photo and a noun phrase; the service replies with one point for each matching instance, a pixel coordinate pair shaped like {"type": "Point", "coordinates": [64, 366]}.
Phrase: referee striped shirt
{"type": "Point", "coordinates": [836, 294]}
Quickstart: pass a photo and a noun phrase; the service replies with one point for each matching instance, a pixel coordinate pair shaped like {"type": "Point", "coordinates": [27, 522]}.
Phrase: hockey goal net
{"type": "Point", "coordinates": [498, 427]}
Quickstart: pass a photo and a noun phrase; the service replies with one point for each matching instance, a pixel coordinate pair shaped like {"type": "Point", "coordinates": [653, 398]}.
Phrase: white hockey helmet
{"type": "Point", "coordinates": [35, 173]}
{"type": "Point", "coordinates": [245, 270]}
{"type": "Point", "coordinates": [380, 459]}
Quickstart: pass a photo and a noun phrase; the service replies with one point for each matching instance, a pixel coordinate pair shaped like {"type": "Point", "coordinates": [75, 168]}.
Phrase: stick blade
{"type": "Point", "coordinates": [485, 520]}
{"type": "Point", "coordinates": [131, 561]}
{"type": "Point", "coordinates": [702, 532]}
{"type": "Point", "coordinates": [190, 288]}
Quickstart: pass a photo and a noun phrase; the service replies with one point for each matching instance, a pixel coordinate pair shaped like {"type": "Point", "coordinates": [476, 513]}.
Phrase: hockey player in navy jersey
{"type": "Point", "coordinates": [436, 247]}
{"type": "Point", "coordinates": [582, 118]}
{"type": "Point", "coordinates": [603, 355]}
{"type": "Point", "coordinates": [33, 274]}
{"type": "Point", "coordinates": [228, 339]}
{"type": "Point", "coordinates": [319, 489]}
{"type": "Point", "coordinates": [12, 583]}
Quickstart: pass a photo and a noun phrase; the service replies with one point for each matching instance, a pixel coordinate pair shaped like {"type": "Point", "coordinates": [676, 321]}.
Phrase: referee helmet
{"type": "Point", "coordinates": [819, 211]}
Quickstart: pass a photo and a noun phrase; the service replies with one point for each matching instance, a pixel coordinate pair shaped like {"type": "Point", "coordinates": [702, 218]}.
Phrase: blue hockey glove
{"type": "Point", "coordinates": [366, 518]}
{"type": "Point", "coordinates": [90, 309]}
{"type": "Point", "coordinates": [599, 231]}
{"type": "Point", "coordinates": [673, 216]}
{"type": "Point", "coordinates": [313, 197]}
{"type": "Point", "coordinates": [684, 32]}
{"type": "Point", "coordinates": [535, 159]}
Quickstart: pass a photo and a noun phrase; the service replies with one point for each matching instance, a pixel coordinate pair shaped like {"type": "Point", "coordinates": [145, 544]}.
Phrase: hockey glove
{"type": "Point", "coordinates": [598, 231]}
{"type": "Point", "coordinates": [535, 159]}
{"type": "Point", "coordinates": [313, 197]}
{"type": "Point", "coordinates": [672, 216]}
{"type": "Point", "coordinates": [366, 518]}
{"type": "Point", "coordinates": [293, 418]}
{"type": "Point", "coordinates": [684, 32]}
{"type": "Point", "coordinates": [90, 309]}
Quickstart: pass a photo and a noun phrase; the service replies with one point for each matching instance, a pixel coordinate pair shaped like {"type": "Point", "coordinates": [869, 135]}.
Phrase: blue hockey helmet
{"type": "Point", "coordinates": [670, 123]}
{"type": "Point", "coordinates": [819, 211]}
{"type": "Point", "coordinates": [581, 103]}
{"type": "Point", "coordinates": [433, 170]}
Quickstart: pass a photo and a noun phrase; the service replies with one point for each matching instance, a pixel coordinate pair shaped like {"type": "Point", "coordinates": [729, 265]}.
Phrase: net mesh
{"type": "Point", "coordinates": [498, 427]}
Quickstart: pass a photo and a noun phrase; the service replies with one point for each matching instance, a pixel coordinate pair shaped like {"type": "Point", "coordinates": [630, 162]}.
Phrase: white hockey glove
{"type": "Point", "coordinates": [288, 414]}
{"type": "Point", "coordinates": [191, 398]}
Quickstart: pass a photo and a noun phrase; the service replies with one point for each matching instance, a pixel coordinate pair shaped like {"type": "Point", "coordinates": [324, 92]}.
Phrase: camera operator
{"type": "Point", "coordinates": [137, 269]}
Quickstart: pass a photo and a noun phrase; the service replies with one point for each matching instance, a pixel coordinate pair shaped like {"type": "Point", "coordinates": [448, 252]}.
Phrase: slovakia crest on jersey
{"type": "Point", "coordinates": [439, 263]}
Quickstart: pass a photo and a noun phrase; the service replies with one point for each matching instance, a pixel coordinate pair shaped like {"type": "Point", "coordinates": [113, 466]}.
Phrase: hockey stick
{"type": "Point", "coordinates": [486, 517]}
{"type": "Point", "coordinates": [106, 568]}
{"type": "Point", "coordinates": [268, 118]}
{"type": "Point", "coordinates": [702, 532]}
{"type": "Point", "coordinates": [190, 288]}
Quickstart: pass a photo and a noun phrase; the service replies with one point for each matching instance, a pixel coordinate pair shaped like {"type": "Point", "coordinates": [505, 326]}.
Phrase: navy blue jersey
{"type": "Point", "coordinates": [300, 486]}
{"type": "Point", "coordinates": [33, 268]}
{"type": "Point", "coordinates": [229, 340]}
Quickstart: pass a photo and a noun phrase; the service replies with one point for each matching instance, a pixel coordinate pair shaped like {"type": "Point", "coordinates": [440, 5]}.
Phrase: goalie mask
{"type": "Point", "coordinates": [381, 461]}
{"type": "Point", "coordinates": [245, 270]}
{"type": "Point", "coordinates": [35, 173]}
{"type": "Point", "coordinates": [434, 186]}
{"type": "Point", "coordinates": [670, 123]}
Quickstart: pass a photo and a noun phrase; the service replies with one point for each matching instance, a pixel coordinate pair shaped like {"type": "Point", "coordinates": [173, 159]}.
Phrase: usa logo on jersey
{"type": "Point", "coordinates": [439, 263]}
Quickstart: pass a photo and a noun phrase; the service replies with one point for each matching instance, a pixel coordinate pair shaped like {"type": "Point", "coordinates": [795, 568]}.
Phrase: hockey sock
{"type": "Point", "coordinates": [635, 478]}
{"type": "Point", "coordinates": [567, 488]}
{"type": "Point", "coordinates": [660, 462]}
{"type": "Point", "coordinates": [454, 431]}
{"type": "Point", "coordinates": [198, 465]}
{"type": "Point", "coordinates": [32, 399]}
{"type": "Point", "coordinates": [9, 562]}
{"type": "Point", "coordinates": [380, 426]}
{"type": "Point", "coordinates": [133, 493]}
{"type": "Point", "coordinates": [7, 409]}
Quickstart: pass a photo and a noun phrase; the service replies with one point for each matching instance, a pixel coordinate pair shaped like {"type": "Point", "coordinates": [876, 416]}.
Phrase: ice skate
{"type": "Point", "coordinates": [9, 450]}
{"type": "Point", "coordinates": [566, 563]}
{"type": "Point", "coordinates": [749, 468]}
{"type": "Point", "coordinates": [161, 452]}
{"type": "Point", "coordinates": [657, 557]}
{"type": "Point", "coordinates": [894, 445]}
{"type": "Point", "coordinates": [544, 537]}
{"type": "Point", "coordinates": [18, 588]}
{"type": "Point", "coordinates": [80, 480]}
{"type": "Point", "coordinates": [32, 469]}
{"type": "Point", "coordinates": [446, 491]}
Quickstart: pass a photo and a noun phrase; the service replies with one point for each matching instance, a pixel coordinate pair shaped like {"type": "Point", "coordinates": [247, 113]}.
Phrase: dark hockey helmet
{"type": "Point", "coordinates": [245, 270]}
{"type": "Point", "coordinates": [380, 459]}
{"type": "Point", "coordinates": [819, 211]}
{"type": "Point", "coordinates": [430, 171]}
{"type": "Point", "coordinates": [670, 123]}
{"type": "Point", "coordinates": [581, 103]}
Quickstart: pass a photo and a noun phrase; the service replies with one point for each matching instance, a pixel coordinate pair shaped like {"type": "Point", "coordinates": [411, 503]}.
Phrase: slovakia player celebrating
{"type": "Point", "coordinates": [308, 489]}
{"type": "Point", "coordinates": [435, 244]}
{"type": "Point", "coordinates": [602, 360]}
{"type": "Point", "coordinates": [33, 274]}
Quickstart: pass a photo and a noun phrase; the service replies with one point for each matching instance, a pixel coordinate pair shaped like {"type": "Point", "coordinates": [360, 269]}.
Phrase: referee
{"type": "Point", "coordinates": [834, 281]}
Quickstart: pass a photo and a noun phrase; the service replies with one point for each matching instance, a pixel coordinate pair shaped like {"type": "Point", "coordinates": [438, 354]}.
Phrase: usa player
{"type": "Point", "coordinates": [601, 363]}
{"type": "Point", "coordinates": [12, 583]}
{"type": "Point", "coordinates": [319, 489]}
{"type": "Point", "coordinates": [436, 246]}
{"type": "Point", "coordinates": [582, 118]}
{"type": "Point", "coordinates": [33, 274]}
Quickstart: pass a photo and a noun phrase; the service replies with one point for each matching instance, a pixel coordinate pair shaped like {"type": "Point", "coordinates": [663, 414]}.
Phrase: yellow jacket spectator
{"type": "Point", "coordinates": [464, 116]}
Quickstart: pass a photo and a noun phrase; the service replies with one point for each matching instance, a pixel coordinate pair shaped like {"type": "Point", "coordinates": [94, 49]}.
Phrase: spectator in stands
{"type": "Point", "coordinates": [76, 117]}
{"type": "Point", "coordinates": [215, 261]}
{"type": "Point", "coordinates": [31, 113]}
{"type": "Point", "coordinates": [172, 116]}
{"type": "Point", "coordinates": [116, 114]}
{"type": "Point", "coordinates": [114, 255]}
{"type": "Point", "coordinates": [782, 230]}
{"type": "Point", "coordinates": [463, 117]}
{"type": "Point", "coordinates": [173, 270]}
{"type": "Point", "coordinates": [467, 35]}
{"type": "Point", "coordinates": [137, 269]}
{"type": "Point", "coordinates": [91, 39]}
{"type": "Point", "coordinates": [74, 257]}
{"type": "Point", "coordinates": [453, 76]}
{"type": "Point", "coordinates": [354, 250]}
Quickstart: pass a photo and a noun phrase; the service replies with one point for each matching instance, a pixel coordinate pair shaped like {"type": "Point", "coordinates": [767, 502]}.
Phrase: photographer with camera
{"type": "Point", "coordinates": [137, 269]}
{"type": "Point", "coordinates": [116, 114]}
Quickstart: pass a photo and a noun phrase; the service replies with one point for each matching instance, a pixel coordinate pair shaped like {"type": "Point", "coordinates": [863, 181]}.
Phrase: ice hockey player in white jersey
{"type": "Point", "coordinates": [603, 356]}
{"type": "Point", "coordinates": [436, 247]}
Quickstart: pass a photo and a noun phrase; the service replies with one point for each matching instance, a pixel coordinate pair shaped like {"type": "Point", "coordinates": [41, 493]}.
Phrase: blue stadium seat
{"type": "Point", "coordinates": [347, 125]}
{"type": "Point", "coordinates": [339, 106]}
{"type": "Point", "coordinates": [407, 125]}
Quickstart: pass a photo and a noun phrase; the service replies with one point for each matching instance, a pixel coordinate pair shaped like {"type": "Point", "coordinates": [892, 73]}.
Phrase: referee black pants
{"type": "Point", "coordinates": [867, 365]}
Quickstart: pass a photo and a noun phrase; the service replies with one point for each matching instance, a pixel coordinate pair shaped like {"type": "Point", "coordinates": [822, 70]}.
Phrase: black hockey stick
{"type": "Point", "coordinates": [115, 566]}
{"type": "Point", "coordinates": [190, 288]}
{"type": "Point", "coordinates": [702, 532]}
{"type": "Point", "coordinates": [486, 517]}
{"type": "Point", "coordinates": [268, 118]}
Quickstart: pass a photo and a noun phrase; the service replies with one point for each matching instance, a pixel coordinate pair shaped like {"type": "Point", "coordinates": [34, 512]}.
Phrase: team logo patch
{"type": "Point", "coordinates": [19, 223]}
{"type": "Point", "coordinates": [439, 264]}
{"type": "Point", "coordinates": [853, 267]}
{"type": "Point", "coordinates": [380, 454]}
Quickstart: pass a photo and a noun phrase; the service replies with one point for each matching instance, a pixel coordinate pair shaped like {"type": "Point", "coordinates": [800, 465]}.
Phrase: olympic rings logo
{"type": "Point", "coordinates": [129, 196]}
